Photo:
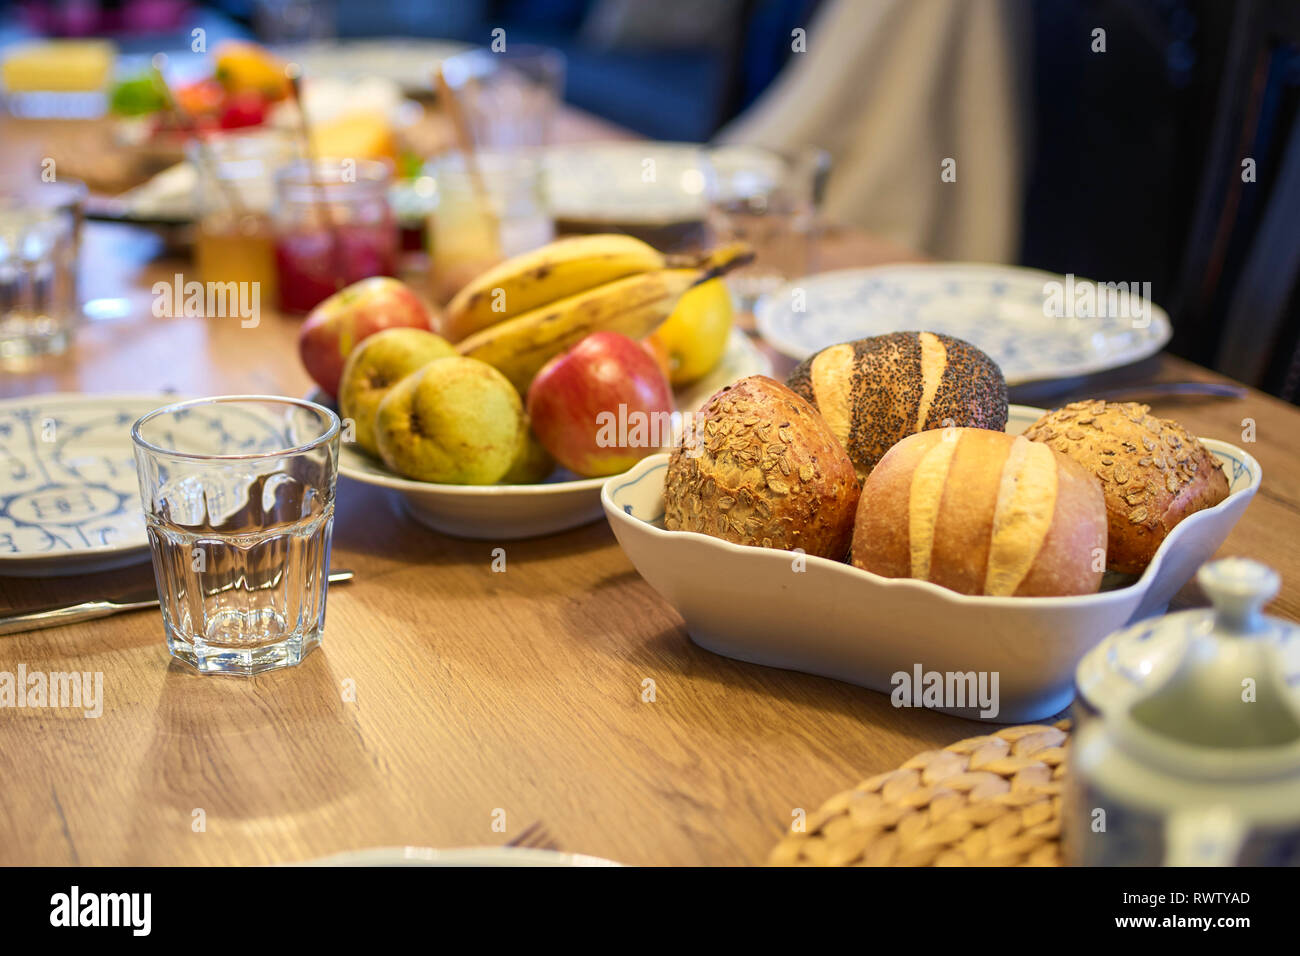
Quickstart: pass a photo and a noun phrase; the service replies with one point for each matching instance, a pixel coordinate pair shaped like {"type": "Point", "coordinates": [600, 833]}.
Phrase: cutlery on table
{"type": "Point", "coordinates": [90, 610]}
{"type": "Point", "coordinates": [1167, 389]}
{"type": "Point", "coordinates": [534, 837]}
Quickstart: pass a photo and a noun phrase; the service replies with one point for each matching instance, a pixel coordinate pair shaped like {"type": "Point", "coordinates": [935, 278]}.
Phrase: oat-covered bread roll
{"type": "Point", "coordinates": [760, 467]}
{"type": "Point", "coordinates": [877, 391]}
{"type": "Point", "coordinates": [1153, 472]}
{"type": "Point", "coordinates": [982, 512]}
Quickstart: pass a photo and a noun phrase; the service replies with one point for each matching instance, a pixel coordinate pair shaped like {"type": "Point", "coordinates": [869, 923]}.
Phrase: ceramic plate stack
{"type": "Point", "coordinates": [984, 801]}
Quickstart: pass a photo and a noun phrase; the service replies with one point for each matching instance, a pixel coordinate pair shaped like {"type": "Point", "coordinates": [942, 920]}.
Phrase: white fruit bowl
{"type": "Point", "coordinates": [563, 501]}
{"type": "Point", "coordinates": [838, 621]}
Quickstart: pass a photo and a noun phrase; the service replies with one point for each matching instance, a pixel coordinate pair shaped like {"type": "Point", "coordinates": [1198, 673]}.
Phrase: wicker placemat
{"type": "Point", "coordinates": [984, 801]}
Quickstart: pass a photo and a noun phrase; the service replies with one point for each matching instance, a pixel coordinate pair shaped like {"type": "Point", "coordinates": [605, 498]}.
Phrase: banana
{"type": "Point", "coordinates": [535, 279]}
{"type": "Point", "coordinates": [634, 305]}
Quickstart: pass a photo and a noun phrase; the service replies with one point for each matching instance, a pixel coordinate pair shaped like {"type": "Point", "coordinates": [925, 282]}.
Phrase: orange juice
{"type": "Point", "coordinates": [234, 194]}
{"type": "Point", "coordinates": [238, 256]}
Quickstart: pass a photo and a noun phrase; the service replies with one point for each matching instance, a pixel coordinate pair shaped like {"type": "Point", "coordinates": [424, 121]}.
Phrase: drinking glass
{"type": "Point", "coordinates": [334, 226]}
{"type": "Point", "coordinates": [238, 495]}
{"type": "Point", "coordinates": [477, 223]}
{"type": "Point", "coordinates": [294, 21]}
{"type": "Point", "coordinates": [769, 200]}
{"type": "Point", "coordinates": [509, 98]}
{"type": "Point", "coordinates": [39, 228]}
{"type": "Point", "coordinates": [234, 192]}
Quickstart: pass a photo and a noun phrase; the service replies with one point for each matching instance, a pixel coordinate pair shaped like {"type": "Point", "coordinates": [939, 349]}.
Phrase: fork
{"type": "Point", "coordinates": [534, 837]}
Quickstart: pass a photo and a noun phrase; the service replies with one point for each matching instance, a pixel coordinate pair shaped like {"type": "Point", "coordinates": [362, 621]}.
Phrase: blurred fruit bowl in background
{"type": "Point", "coordinates": [469, 431]}
{"type": "Point", "coordinates": [559, 501]}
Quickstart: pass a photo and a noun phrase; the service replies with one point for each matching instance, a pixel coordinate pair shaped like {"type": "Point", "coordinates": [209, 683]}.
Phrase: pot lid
{"type": "Point", "coordinates": [1226, 677]}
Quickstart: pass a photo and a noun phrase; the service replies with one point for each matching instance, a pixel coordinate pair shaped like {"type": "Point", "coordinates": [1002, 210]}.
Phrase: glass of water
{"type": "Point", "coordinates": [38, 267]}
{"type": "Point", "coordinates": [510, 98]}
{"type": "Point", "coordinates": [238, 497]}
{"type": "Point", "coordinates": [768, 199]}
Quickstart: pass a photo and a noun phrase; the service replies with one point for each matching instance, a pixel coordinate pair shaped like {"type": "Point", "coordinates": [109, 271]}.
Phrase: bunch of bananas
{"type": "Point", "coordinates": [523, 312]}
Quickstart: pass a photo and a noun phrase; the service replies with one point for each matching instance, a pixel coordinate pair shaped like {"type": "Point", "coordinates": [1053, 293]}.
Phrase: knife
{"type": "Point", "coordinates": [75, 613]}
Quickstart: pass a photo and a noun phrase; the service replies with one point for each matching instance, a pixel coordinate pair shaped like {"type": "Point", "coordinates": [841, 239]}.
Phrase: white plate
{"type": "Point", "coordinates": [69, 499]}
{"type": "Point", "coordinates": [1000, 309]}
{"type": "Point", "coordinates": [500, 512]}
{"type": "Point", "coordinates": [626, 182]}
{"type": "Point", "coordinates": [645, 183]}
{"type": "Point", "coordinates": [407, 62]}
{"type": "Point", "coordinates": [467, 856]}
{"type": "Point", "coordinates": [839, 621]}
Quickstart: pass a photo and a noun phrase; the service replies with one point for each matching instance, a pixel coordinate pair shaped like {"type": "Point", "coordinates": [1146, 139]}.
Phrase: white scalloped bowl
{"type": "Point", "coordinates": [835, 620]}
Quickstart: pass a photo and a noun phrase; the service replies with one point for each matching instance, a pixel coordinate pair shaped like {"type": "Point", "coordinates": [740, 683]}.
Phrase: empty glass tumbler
{"type": "Point", "coordinates": [238, 497]}
{"type": "Point", "coordinates": [38, 268]}
{"type": "Point", "coordinates": [769, 200]}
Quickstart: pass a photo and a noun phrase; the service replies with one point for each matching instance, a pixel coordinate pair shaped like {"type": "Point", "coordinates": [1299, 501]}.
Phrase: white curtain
{"type": "Point", "coordinates": [893, 88]}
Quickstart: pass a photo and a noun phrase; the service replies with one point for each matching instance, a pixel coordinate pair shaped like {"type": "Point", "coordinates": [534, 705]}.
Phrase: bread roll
{"type": "Point", "coordinates": [1152, 471]}
{"type": "Point", "coordinates": [758, 466]}
{"type": "Point", "coordinates": [982, 512]}
{"type": "Point", "coordinates": [875, 392]}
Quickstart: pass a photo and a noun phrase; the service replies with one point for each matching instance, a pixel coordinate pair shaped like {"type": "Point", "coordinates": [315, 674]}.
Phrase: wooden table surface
{"type": "Point", "coordinates": [480, 698]}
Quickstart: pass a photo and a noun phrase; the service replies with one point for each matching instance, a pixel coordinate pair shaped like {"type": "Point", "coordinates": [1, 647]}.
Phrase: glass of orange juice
{"type": "Point", "coordinates": [234, 193]}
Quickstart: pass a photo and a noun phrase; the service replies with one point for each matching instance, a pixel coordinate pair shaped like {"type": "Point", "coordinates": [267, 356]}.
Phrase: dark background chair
{"type": "Point", "coordinates": [1135, 172]}
{"type": "Point", "coordinates": [1236, 300]}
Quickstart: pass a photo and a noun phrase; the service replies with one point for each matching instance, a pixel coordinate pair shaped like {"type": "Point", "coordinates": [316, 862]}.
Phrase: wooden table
{"type": "Point", "coordinates": [479, 696]}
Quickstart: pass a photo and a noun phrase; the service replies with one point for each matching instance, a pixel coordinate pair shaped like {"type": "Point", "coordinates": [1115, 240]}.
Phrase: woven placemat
{"type": "Point", "coordinates": [983, 801]}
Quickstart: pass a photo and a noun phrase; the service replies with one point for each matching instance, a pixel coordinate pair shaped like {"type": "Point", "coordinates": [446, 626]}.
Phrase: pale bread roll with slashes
{"type": "Point", "coordinates": [875, 392]}
{"type": "Point", "coordinates": [982, 512]}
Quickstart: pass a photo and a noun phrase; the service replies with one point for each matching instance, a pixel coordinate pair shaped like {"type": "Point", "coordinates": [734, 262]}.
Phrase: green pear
{"type": "Point", "coordinates": [456, 421]}
{"type": "Point", "coordinates": [532, 463]}
{"type": "Point", "coordinates": [378, 363]}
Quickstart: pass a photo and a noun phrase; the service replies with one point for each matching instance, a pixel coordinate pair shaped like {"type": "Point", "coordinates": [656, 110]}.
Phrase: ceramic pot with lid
{"type": "Point", "coordinates": [1193, 757]}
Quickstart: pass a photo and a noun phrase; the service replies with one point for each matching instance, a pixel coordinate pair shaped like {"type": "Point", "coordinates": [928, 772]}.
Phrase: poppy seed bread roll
{"type": "Point", "coordinates": [875, 392]}
{"type": "Point", "coordinates": [758, 466]}
{"type": "Point", "coordinates": [1152, 471]}
{"type": "Point", "coordinates": [982, 512]}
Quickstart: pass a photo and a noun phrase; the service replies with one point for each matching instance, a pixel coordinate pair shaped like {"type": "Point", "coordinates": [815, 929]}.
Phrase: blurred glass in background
{"type": "Point", "coordinates": [39, 232]}
{"type": "Point", "coordinates": [509, 98]}
{"type": "Point", "coordinates": [769, 200]}
{"type": "Point", "coordinates": [294, 21]}
{"type": "Point", "coordinates": [483, 215]}
{"type": "Point", "coordinates": [233, 195]}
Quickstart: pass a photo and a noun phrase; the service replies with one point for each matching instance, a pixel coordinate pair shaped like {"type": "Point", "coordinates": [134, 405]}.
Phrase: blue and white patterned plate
{"type": "Point", "coordinates": [69, 500]}
{"type": "Point", "coordinates": [1035, 325]}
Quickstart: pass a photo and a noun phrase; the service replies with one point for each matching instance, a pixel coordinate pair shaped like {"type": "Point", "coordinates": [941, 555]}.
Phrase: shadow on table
{"type": "Point", "coordinates": [276, 745]}
{"type": "Point", "coordinates": [374, 521]}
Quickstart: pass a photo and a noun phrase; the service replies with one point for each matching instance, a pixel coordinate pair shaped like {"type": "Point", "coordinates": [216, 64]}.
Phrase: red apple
{"type": "Point", "coordinates": [602, 406]}
{"type": "Point", "coordinates": [333, 329]}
